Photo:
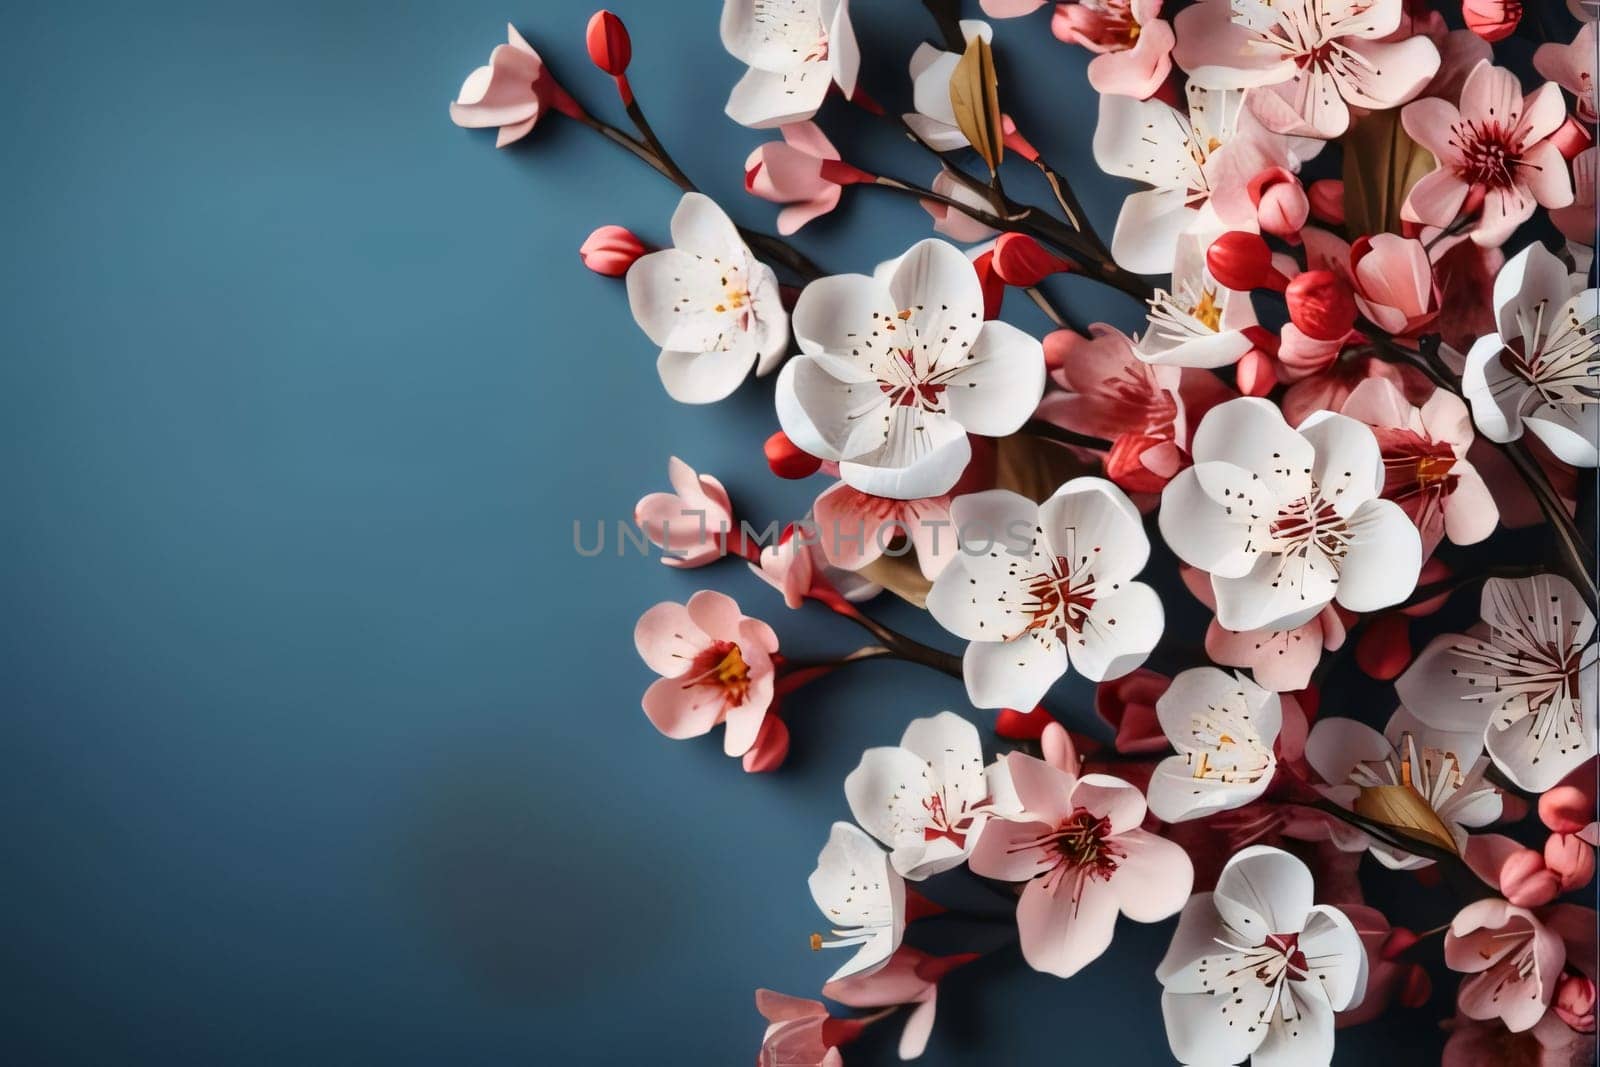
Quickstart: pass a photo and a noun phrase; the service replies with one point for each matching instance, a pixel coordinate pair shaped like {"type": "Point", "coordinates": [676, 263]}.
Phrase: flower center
{"type": "Point", "coordinates": [1311, 522]}
{"type": "Point", "coordinates": [903, 378]}
{"type": "Point", "coordinates": [1291, 962]}
{"type": "Point", "coordinates": [1084, 843]}
{"type": "Point", "coordinates": [1564, 366]}
{"type": "Point", "coordinates": [721, 667]}
{"type": "Point", "coordinates": [1413, 465]}
{"type": "Point", "coordinates": [1207, 311]}
{"type": "Point", "coordinates": [1061, 598]}
{"type": "Point", "coordinates": [1490, 152]}
{"type": "Point", "coordinates": [1223, 746]}
{"type": "Point", "coordinates": [942, 824]}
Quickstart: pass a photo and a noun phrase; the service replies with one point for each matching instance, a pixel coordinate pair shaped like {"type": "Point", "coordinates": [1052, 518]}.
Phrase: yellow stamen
{"type": "Point", "coordinates": [1208, 312]}
{"type": "Point", "coordinates": [816, 942]}
{"type": "Point", "coordinates": [732, 670]}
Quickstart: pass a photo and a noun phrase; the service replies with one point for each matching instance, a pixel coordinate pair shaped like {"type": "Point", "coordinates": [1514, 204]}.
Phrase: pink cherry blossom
{"type": "Point", "coordinates": [797, 1032]}
{"type": "Point", "coordinates": [1279, 660]}
{"type": "Point", "coordinates": [1393, 283]}
{"type": "Point", "coordinates": [911, 977]}
{"type": "Point", "coordinates": [1425, 465]}
{"type": "Point", "coordinates": [511, 92]}
{"type": "Point", "coordinates": [803, 172]}
{"type": "Point", "coordinates": [1107, 391]}
{"type": "Point", "coordinates": [689, 524]}
{"type": "Point", "coordinates": [715, 665]}
{"type": "Point", "coordinates": [1572, 66]}
{"type": "Point", "coordinates": [1309, 61]}
{"type": "Point", "coordinates": [1134, 44]}
{"type": "Point", "coordinates": [1510, 959]}
{"type": "Point", "coordinates": [1494, 153]}
{"type": "Point", "coordinates": [855, 528]}
{"type": "Point", "coordinates": [1079, 847]}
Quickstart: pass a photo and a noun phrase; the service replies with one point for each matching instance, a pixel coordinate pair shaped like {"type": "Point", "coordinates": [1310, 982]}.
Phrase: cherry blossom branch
{"type": "Point", "coordinates": [798, 673]}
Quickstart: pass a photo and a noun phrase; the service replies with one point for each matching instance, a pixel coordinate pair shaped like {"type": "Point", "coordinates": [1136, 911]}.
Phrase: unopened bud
{"type": "Point", "coordinates": [1321, 305]}
{"type": "Point", "coordinates": [611, 250]}
{"type": "Point", "coordinates": [610, 48]}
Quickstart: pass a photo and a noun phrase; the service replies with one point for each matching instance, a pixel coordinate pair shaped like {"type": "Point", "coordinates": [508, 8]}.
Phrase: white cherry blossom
{"type": "Point", "coordinates": [709, 303]}
{"type": "Point", "coordinates": [1198, 163]}
{"type": "Point", "coordinates": [1257, 971]}
{"type": "Point", "coordinates": [1286, 521]}
{"type": "Point", "coordinates": [1224, 727]}
{"type": "Point", "coordinates": [1036, 586]}
{"type": "Point", "coordinates": [863, 898]}
{"type": "Point", "coordinates": [1443, 767]}
{"type": "Point", "coordinates": [1541, 372]}
{"type": "Point", "coordinates": [894, 372]}
{"type": "Point", "coordinates": [795, 50]}
{"type": "Point", "coordinates": [1199, 322]}
{"type": "Point", "coordinates": [928, 799]}
{"type": "Point", "coordinates": [1525, 679]}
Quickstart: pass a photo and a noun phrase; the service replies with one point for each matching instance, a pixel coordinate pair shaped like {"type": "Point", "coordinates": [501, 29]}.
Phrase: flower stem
{"type": "Point", "coordinates": [1049, 431]}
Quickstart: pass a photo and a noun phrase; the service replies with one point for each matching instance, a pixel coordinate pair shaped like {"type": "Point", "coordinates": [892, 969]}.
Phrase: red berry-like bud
{"type": "Point", "coordinates": [1242, 261]}
{"type": "Point", "coordinates": [1022, 725]}
{"type": "Point", "coordinates": [611, 250]}
{"type": "Point", "coordinates": [610, 48]}
{"type": "Point", "coordinates": [1493, 20]}
{"type": "Point", "coordinates": [1327, 201]}
{"type": "Point", "coordinates": [1566, 810]}
{"type": "Point", "coordinates": [786, 458]}
{"type": "Point", "coordinates": [1023, 262]}
{"type": "Point", "coordinates": [1571, 139]}
{"type": "Point", "coordinates": [1384, 648]}
{"type": "Point", "coordinates": [1255, 373]}
{"type": "Point", "coordinates": [1321, 305]}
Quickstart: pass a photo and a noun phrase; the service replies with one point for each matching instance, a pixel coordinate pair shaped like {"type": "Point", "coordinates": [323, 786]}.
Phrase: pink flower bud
{"type": "Point", "coordinates": [1327, 201]}
{"type": "Point", "coordinates": [1321, 305]}
{"type": "Point", "coordinates": [1023, 262]}
{"type": "Point", "coordinates": [1574, 1002]}
{"type": "Point", "coordinates": [610, 48]}
{"type": "Point", "coordinates": [1526, 882]}
{"type": "Point", "coordinates": [771, 747]}
{"type": "Point", "coordinates": [1242, 261]}
{"type": "Point", "coordinates": [1566, 810]}
{"type": "Point", "coordinates": [1282, 206]}
{"type": "Point", "coordinates": [787, 460]}
{"type": "Point", "coordinates": [1571, 859]}
{"type": "Point", "coordinates": [1384, 647]}
{"type": "Point", "coordinates": [1493, 20]}
{"type": "Point", "coordinates": [1255, 373]}
{"type": "Point", "coordinates": [611, 250]}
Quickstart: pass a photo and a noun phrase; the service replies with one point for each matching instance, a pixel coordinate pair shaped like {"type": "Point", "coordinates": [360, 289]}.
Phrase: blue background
{"type": "Point", "coordinates": [319, 744]}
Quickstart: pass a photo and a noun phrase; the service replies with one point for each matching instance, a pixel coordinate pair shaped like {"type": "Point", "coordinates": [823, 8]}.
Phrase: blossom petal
{"type": "Point", "coordinates": [1065, 924]}
{"type": "Point", "coordinates": [1264, 891]}
{"type": "Point", "coordinates": [1383, 558]}
{"type": "Point", "coordinates": [996, 388]}
{"type": "Point", "coordinates": [1012, 674]}
{"type": "Point", "coordinates": [1153, 877]}
{"type": "Point", "coordinates": [1118, 633]}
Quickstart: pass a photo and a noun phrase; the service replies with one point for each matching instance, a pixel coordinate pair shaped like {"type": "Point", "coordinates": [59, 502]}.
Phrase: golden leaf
{"type": "Point", "coordinates": [1381, 164]}
{"type": "Point", "coordinates": [901, 576]}
{"type": "Point", "coordinates": [975, 97]}
{"type": "Point", "coordinates": [1401, 809]}
{"type": "Point", "coordinates": [1036, 466]}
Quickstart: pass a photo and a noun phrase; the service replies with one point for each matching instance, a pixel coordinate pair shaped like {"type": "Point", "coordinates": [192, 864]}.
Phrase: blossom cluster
{"type": "Point", "coordinates": [1365, 399]}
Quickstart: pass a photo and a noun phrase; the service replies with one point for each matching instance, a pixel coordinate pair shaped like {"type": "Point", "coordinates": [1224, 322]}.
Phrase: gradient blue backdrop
{"type": "Point", "coordinates": [318, 742]}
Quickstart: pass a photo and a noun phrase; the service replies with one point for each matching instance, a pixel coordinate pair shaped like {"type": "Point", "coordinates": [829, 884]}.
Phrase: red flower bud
{"type": "Point", "coordinates": [1384, 648]}
{"type": "Point", "coordinates": [1327, 201]}
{"type": "Point", "coordinates": [1435, 570]}
{"type": "Point", "coordinates": [1022, 725]}
{"type": "Point", "coordinates": [1574, 1002]}
{"type": "Point", "coordinates": [920, 907]}
{"type": "Point", "coordinates": [1321, 305]}
{"type": "Point", "coordinates": [1526, 882]}
{"type": "Point", "coordinates": [1566, 810]}
{"type": "Point", "coordinates": [1023, 262]}
{"type": "Point", "coordinates": [1493, 20]}
{"type": "Point", "coordinates": [1242, 261]}
{"type": "Point", "coordinates": [1255, 373]}
{"type": "Point", "coordinates": [610, 48]}
{"type": "Point", "coordinates": [1282, 207]}
{"type": "Point", "coordinates": [786, 458]}
{"type": "Point", "coordinates": [1399, 940]}
{"type": "Point", "coordinates": [1571, 859]}
{"type": "Point", "coordinates": [611, 250]}
{"type": "Point", "coordinates": [1418, 988]}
